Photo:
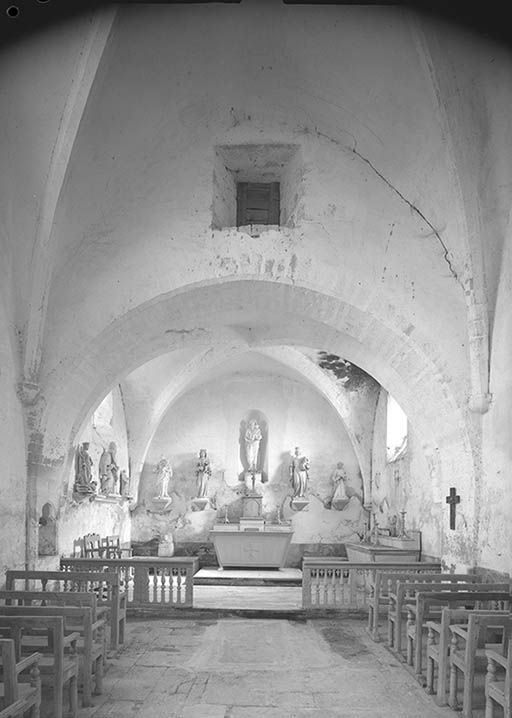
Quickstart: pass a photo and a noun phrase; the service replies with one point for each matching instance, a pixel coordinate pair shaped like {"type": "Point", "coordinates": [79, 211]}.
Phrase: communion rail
{"type": "Point", "coordinates": [338, 583]}
{"type": "Point", "coordinates": [149, 582]}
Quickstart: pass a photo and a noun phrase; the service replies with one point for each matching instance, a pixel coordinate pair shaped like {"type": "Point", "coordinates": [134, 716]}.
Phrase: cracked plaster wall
{"type": "Point", "coordinates": [495, 490]}
{"type": "Point", "coordinates": [404, 484]}
{"type": "Point", "coordinates": [209, 416]}
{"type": "Point", "coordinates": [13, 489]}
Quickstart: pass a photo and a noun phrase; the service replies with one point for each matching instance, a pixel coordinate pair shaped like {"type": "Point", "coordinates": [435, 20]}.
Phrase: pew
{"type": "Point", "coordinates": [498, 682]}
{"type": "Point", "coordinates": [105, 584]}
{"type": "Point", "coordinates": [90, 645]}
{"type": "Point", "coordinates": [468, 657]}
{"type": "Point", "coordinates": [406, 591]}
{"type": "Point", "coordinates": [429, 605]}
{"type": "Point", "coordinates": [59, 660]}
{"type": "Point", "coordinates": [16, 697]}
{"type": "Point", "coordinates": [385, 582]}
{"type": "Point", "coordinates": [438, 646]}
{"type": "Point", "coordinates": [59, 598]}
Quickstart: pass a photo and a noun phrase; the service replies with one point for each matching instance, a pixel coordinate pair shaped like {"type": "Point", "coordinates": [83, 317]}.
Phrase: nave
{"type": "Point", "coordinates": [257, 668]}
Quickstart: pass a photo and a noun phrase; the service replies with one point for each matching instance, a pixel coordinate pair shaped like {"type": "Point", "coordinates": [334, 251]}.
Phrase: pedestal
{"type": "Point", "coordinates": [339, 504]}
{"type": "Point", "coordinates": [162, 503]}
{"type": "Point", "coordinates": [298, 503]}
{"type": "Point", "coordinates": [200, 504]}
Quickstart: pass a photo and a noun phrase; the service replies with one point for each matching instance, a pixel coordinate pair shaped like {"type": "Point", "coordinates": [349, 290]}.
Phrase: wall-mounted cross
{"type": "Point", "coordinates": [453, 499]}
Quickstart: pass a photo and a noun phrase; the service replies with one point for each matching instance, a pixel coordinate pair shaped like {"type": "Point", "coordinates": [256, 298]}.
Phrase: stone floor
{"type": "Point", "coordinates": [257, 668]}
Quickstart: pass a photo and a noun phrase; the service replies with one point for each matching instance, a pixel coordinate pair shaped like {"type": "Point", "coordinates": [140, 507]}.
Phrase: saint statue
{"type": "Point", "coordinates": [108, 470]}
{"type": "Point", "coordinates": [164, 471]}
{"type": "Point", "coordinates": [124, 481]}
{"type": "Point", "coordinates": [203, 473]}
{"type": "Point", "coordinates": [83, 470]}
{"type": "Point", "coordinates": [252, 444]}
{"type": "Point", "coordinates": [299, 474]}
{"type": "Point", "coordinates": [339, 478]}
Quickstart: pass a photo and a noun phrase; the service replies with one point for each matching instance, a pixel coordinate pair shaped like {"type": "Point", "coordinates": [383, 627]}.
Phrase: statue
{"type": "Point", "coordinates": [339, 478]}
{"type": "Point", "coordinates": [299, 474]}
{"type": "Point", "coordinates": [164, 471]}
{"type": "Point", "coordinates": [203, 473]}
{"type": "Point", "coordinates": [108, 470]}
{"type": "Point", "coordinates": [83, 470]}
{"type": "Point", "coordinates": [252, 444]}
{"type": "Point", "coordinates": [124, 481]}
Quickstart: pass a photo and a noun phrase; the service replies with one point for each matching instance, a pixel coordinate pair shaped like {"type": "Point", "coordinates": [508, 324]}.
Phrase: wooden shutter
{"type": "Point", "coordinates": [257, 203]}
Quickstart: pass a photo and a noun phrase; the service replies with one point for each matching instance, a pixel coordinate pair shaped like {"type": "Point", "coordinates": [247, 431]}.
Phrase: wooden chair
{"type": "Point", "coordinates": [17, 697]}
{"type": "Point", "coordinates": [92, 546]}
{"type": "Point", "coordinates": [78, 548]}
{"type": "Point", "coordinates": [438, 647]}
{"type": "Point", "coordinates": [498, 682]}
{"type": "Point", "coordinates": [105, 584]}
{"type": "Point", "coordinates": [59, 660]}
{"type": "Point", "coordinates": [90, 645]}
{"type": "Point", "coordinates": [112, 547]}
{"type": "Point", "coordinates": [468, 657]}
{"type": "Point", "coordinates": [405, 592]}
{"type": "Point", "coordinates": [384, 583]}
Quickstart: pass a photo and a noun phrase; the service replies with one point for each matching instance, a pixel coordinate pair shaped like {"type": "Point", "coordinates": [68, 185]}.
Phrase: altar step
{"type": "Point", "coordinates": [248, 577]}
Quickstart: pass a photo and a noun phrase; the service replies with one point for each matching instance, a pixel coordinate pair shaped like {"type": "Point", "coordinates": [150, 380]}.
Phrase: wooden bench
{"type": "Point", "coordinates": [60, 598]}
{"type": "Point", "coordinates": [105, 584]}
{"type": "Point", "coordinates": [438, 647]}
{"type": "Point", "coordinates": [498, 682]}
{"type": "Point", "coordinates": [468, 654]}
{"type": "Point", "coordinates": [59, 660]}
{"type": "Point", "coordinates": [405, 591]}
{"type": "Point", "coordinates": [385, 582]}
{"type": "Point", "coordinates": [428, 605]}
{"type": "Point", "coordinates": [17, 697]}
{"type": "Point", "coordinates": [90, 645]}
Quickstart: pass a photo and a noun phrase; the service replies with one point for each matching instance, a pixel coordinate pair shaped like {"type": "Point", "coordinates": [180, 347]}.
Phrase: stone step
{"type": "Point", "coordinates": [248, 577]}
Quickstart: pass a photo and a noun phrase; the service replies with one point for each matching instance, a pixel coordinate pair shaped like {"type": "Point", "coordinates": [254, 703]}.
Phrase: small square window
{"type": "Point", "coordinates": [257, 203]}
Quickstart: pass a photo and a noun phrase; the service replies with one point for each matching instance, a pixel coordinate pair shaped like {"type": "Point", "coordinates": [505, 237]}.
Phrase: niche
{"type": "Point", "coordinates": [257, 185]}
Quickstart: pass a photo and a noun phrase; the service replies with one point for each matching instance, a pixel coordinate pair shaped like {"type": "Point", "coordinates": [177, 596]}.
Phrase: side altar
{"type": "Point", "coordinates": [252, 543]}
{"type": "Point", "coordinates": [389, 544]}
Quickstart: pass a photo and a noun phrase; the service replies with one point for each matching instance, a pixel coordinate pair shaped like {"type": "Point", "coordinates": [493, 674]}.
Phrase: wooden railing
{"type": "Point", "coordinates": [338, 583]}
{"type": "Point", "coordinates": [149, 582]}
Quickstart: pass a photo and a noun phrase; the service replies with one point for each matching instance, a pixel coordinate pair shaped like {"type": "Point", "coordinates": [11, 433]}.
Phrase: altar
{"type": "Point", "coordinates": [236, 546]}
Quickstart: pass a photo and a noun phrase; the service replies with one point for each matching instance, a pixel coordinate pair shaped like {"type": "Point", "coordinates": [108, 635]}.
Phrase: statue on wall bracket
{"type": "Point", "coordinates": [203, 473]}
{"type": "Point", "coordinates": [108, 470]}
{"type": "Point", "coordinates": [253, 441]}
{"type": "Point", "coordinates": [84, 484]}
{"type": "Point", "coordinates": [299, 478]}
{"type": "Point", "coordinates": [164, 473]}
{"type": "Point", "coordinates": [339, 479]}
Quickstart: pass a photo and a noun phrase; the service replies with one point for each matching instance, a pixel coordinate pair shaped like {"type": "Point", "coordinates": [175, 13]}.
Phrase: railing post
{"type": "Point", "coordinates": [306, 586]}
{"type": "Point", "coordinates": [141, 585]}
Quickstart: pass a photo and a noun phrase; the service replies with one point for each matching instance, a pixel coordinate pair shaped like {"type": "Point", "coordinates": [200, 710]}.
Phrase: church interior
{"type": "Point", "coordinates": [255, 291]}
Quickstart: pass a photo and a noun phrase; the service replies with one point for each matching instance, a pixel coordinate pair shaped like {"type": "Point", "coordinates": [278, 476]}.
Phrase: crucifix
{"type": "Point", "coordinates": [453, 499]}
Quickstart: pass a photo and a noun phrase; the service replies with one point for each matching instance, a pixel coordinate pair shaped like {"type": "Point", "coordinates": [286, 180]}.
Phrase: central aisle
{"type": "Point", "coordinates": [257, 668]}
